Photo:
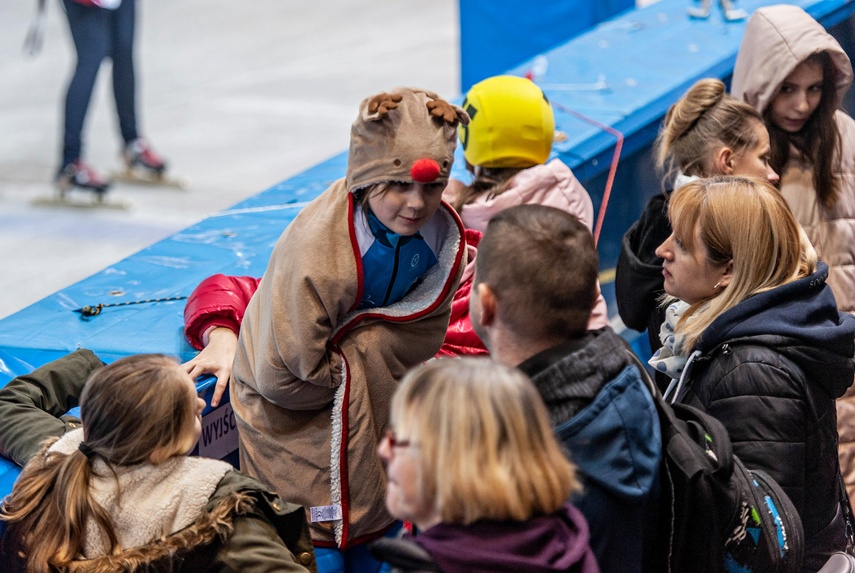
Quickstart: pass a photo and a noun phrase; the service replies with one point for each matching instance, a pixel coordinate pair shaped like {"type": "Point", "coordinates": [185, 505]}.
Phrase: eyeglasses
{"type": "Point", "coordinates": [395, 442]}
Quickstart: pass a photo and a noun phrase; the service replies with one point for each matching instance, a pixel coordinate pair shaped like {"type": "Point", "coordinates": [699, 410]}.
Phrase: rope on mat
{"type": "Point", "coordinates": [88, 312]}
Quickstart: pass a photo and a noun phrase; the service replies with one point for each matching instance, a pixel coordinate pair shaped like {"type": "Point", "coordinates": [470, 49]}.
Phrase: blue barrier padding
{"type": "Point", "coordinates": [236, 241]}
{"type": "Point", "coordinates": [498, 34]}
{"type": "Point", "coordinates": [624, 73]}
{"type": "Point", "coordinates": [643, 61]}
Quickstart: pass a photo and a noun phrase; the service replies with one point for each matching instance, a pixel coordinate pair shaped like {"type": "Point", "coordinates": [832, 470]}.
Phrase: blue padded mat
{"type": "Point", "coordinates": [624, 73]}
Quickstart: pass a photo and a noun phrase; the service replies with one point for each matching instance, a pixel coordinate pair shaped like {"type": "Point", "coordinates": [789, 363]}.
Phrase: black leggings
{"type": "Point", "coordinates": [99, 33]}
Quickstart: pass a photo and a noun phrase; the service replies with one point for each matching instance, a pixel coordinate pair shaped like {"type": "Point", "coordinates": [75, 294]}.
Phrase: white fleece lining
{"type": "Point", "coordinates": [336, 438]}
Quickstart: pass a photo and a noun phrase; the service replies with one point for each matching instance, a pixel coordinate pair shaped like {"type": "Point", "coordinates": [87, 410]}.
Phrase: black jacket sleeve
{"type": "Point", "coordinates": [638, 279]}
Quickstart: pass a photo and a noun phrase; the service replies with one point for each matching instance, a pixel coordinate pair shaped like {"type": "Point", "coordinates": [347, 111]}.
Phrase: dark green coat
{"type": "Point", "coordinates": [244, 528]}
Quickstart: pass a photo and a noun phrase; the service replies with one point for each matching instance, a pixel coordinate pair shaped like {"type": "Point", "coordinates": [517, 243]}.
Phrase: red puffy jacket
{"type": "Point", "coordinates": [221, 300]}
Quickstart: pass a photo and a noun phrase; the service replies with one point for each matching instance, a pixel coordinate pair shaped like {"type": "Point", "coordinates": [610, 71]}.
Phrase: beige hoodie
{"type": "Point", "coordinates": [777, 39]}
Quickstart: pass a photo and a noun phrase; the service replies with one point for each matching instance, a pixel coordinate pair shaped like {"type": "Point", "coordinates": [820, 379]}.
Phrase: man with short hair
{"type": "Point", "coordinates": [533, 292]}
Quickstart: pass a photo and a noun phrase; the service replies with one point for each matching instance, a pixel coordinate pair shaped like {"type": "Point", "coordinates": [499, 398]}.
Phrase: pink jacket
{"type": "Point", "coordinates": [553, 185]}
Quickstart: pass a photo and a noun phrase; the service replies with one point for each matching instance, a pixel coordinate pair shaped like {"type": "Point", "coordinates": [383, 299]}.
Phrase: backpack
{"type": "Point", "coordinates": [715, 515]}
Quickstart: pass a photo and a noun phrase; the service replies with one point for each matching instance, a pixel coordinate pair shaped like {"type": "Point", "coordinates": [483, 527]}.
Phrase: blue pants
{"type": "Point", "coordinates": [99, 33]}
{"type": "Point", "coordinates": [357, 559]}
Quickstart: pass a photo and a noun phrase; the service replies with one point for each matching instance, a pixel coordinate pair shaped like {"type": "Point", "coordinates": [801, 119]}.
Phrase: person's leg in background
{"type": "Point", "coordinates": [137, 151]}
{"type": "Point", "coordinates": [124, 78]}
{"type": "Point", "coordinates": [90, 31]}
{"type": "Point", "coordinates": [357, 559]}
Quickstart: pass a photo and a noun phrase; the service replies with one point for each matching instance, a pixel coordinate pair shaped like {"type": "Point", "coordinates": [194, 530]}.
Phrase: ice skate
{"type": "Point", "coordinates": [730, 13]}
{"type": "Point", "coordinates": [78, 185]}
{"type": "Point", "coordinates": [144, 166]}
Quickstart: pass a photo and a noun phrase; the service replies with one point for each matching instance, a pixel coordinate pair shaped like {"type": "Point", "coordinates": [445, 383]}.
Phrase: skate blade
{"type": "Point", "coordinates": [79, 203]}
{"type": "Point", "coordinates": [699, 13]}
{"type": "Point", "coordinates": [735, 14]}
{"type": "Point", "coordinates": [137, 177]}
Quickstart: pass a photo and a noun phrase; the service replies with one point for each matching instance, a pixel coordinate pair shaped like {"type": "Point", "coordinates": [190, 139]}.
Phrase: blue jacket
{"type": "Point", "coordinates": [604, 414]}
{"type": "Point", "coordinates": [391, 264]}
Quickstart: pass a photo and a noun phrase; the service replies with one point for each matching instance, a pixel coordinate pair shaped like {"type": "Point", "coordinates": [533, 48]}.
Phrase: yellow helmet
{"type": "Point", "coordinates": [511, 123]}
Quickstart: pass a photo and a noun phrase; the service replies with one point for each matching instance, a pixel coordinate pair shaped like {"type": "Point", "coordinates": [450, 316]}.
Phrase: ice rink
{"type": "Point", "coordinates": [236, 95]}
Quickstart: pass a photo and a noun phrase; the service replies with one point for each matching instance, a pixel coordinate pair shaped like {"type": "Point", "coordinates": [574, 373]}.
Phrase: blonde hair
{"type": "Point", "coordinates": [486, 446]}
{"type": "Point", "coordinates": [703, 119]}
{"type": "Point", "coordinates": [743, 220]}
{"type": "Point", "coordinates": [133, 408]}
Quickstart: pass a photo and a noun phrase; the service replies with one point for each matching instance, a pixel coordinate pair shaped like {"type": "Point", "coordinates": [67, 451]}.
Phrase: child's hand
{"type": "Point", "coordinates": [217, 358]}
{"type": "Point", "coordinates": [383, 103]}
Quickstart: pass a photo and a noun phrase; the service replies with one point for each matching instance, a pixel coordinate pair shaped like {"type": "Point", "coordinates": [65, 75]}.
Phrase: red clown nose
{"type": "Point", "coordinates": [425, 171]}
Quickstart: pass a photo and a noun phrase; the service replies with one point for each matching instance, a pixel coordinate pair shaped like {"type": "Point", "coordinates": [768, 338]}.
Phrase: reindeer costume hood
{"type": "Point", "coordinates": [313, 376]}
{"type": "Point", "coordinates": [405, 135]}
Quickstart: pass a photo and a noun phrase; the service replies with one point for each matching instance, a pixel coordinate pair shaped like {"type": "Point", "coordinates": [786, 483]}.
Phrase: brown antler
{"type": "Point", "coordinates": [442, 109]}
{"type": "Point", "coordinates": [382, 103]}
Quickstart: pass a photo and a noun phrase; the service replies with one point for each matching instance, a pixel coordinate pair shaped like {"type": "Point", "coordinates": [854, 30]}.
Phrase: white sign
{"type": "Point", "coordinates": [219, 433]}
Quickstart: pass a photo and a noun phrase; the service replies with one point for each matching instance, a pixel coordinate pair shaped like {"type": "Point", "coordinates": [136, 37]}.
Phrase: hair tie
{"type": "Point", "coordinates": [86, 450]}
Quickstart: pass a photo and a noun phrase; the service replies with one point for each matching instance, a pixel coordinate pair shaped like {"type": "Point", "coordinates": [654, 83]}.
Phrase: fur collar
{"type": "Point", "coordinates": [215, 524]}
{"type": "Point", "coordinates": [146, 502]}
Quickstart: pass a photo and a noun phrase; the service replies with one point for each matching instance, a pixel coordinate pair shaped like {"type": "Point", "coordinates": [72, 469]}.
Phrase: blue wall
{"type": "Point", "coordinates": [499, 34]}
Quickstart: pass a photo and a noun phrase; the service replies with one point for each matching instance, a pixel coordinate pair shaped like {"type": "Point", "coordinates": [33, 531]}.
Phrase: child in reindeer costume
{"type": "Point", "coordinates": [357, 291]}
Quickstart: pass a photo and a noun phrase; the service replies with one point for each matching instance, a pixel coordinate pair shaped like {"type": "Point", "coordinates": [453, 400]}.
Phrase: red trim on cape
{"type": "Point", "coordinates": [444, 293]}
{"type": "Point", "coordinates": [354, 243]}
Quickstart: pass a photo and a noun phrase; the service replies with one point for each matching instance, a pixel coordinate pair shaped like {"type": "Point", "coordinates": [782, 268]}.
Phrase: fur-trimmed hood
{"type": "Point", "coordinates": [215, 524]}
{"type": "Point", "coordinates": [145, 501]}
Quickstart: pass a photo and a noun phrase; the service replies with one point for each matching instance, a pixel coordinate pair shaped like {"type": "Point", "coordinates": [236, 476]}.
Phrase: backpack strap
{"type": "Point", "coordinates": [846, 506]}
{"type": "Point", "coordinates": [658, 399]}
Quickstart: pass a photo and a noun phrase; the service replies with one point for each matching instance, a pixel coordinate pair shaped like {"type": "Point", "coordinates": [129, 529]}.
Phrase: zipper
{"type": "Point", "coordinates": [394, 274]}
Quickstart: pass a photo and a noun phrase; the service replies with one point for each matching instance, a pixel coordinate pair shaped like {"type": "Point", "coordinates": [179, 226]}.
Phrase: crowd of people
{"type": "Point", "coordinates": [438, 388]}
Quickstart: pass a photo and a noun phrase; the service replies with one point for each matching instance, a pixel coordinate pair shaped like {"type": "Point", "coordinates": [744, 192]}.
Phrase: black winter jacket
{"type": "Point", "coordinates": [638, 275]}
{"type": "Point", "coordinates": [770, 369]}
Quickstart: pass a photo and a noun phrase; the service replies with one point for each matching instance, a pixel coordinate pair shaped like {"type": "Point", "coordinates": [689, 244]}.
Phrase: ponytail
{"type": "Point", "coordinates": [51, 509]}
{"type": "Point", "coordinates": [705, 117]}
{"type": "Point", "coordinates": [47, 513]}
